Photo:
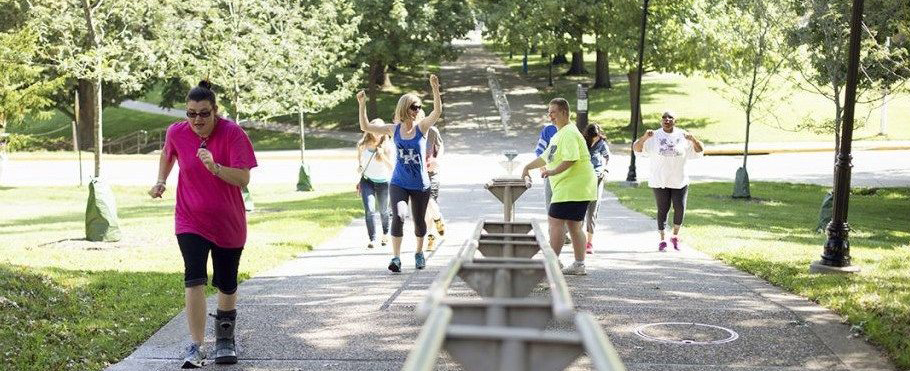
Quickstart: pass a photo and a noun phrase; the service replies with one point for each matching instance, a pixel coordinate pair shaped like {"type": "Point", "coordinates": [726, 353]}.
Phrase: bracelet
{"type": "Point", "coordinates": [161, 182]}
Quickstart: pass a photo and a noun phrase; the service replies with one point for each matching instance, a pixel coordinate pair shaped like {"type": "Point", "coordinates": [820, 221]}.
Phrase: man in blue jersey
{"type": "Point", "coordinates": [548, 131]}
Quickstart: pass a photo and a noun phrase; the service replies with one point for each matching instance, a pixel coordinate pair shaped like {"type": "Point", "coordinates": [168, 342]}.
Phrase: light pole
{"type": "Point", "coordinates": [836, 257]}
{"type": "Point", "coordinates": [636, 105]}
{"type": "Point", "coordinates": [581, 111]}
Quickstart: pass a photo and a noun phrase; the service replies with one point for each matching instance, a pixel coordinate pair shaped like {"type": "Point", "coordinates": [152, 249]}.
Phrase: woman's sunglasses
{"type": "Point", "coordinates": [203, 114]}
{"type": "Point", "coordinates": [415, 107]}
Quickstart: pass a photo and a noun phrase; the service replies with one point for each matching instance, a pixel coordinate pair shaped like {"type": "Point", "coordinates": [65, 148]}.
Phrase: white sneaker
{"type": "Point", "coordinates": [371, 245]}
{"type": "Point", "coordinates": [385, 240]}
{"type": "Point", "coordinates": [576, 269]}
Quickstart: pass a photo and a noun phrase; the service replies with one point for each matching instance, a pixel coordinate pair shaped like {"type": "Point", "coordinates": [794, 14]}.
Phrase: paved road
{"type": "Point", "coordinates": [465, 166]}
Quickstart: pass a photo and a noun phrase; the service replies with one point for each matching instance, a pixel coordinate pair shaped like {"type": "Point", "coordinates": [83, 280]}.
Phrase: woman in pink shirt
{"type": "Point", "coordinates": [215, 157]}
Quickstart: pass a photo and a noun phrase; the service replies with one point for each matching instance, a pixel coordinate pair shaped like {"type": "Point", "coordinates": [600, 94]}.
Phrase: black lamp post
{"type": "Point", "coordinates": [636, 106]}
{"type": "Point", "coordinates": [836, 258]}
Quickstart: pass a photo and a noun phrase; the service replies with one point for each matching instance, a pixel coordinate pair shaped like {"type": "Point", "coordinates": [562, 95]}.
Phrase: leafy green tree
{"type": "Point", "coordinates": [232, 44]}
{"type": "Point", "coordinates": [408, 34]}
{"type": "Point", "coordinates": [23, 91]}
{"type": "Point", "coordinates": [821, 41]}
{"type": "Point", "coordinates": [754, 54]}
{"type": "Point", "coordinates": [602, 15]}
{"type": "Point", "coordinates": [316, 54]}
{"type": "Point", "coordinates": [678, 38]}
{"type": "Point", "coordinates": [96, 42]}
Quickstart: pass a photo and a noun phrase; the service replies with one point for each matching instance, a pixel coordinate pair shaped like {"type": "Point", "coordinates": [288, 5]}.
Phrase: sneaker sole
{"type": "Point", "coordinates": [226, 360]}
{"type": "Point", "coordinates": [188, 364]}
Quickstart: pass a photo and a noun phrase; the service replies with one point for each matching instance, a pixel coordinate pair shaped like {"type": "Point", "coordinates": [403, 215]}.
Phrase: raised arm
{"type": "Point", "coordinates": [430, 120]}
{"type": "Point", "coordinates": [639, 144]}
{"type": "Point", "coordinates": [696, 144]}
{"type": "Point", "coordinates": [379, 128]}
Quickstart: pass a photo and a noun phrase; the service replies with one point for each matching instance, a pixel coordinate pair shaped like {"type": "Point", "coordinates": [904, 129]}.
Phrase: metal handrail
{"type": "Point", "coordinates": [563, 309]}
{"type": "Point", "coordinates": [426, 349]}
{"type": "Point", "coordinates": [599, 348]}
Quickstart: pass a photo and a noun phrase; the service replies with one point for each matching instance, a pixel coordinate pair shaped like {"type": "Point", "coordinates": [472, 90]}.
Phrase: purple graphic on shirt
{"type": "Point", "coordinates": [667, 146]}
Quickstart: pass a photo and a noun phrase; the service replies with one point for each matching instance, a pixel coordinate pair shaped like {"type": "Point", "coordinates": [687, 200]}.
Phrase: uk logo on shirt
{"type": "Point", "coordinates": [410, 158]}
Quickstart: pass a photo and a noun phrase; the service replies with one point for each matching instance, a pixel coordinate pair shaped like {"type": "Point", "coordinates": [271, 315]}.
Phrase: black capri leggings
{"type": "Point", "coordinates": [664, 197]}
{"type": "Point", "coordinates": [418, 201]}
{"type": "Point", "coordinates": [195, 250]}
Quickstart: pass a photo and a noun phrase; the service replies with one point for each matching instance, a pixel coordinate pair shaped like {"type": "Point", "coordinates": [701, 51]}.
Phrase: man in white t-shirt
{"type": "Point", "coordinates": [669, 148]}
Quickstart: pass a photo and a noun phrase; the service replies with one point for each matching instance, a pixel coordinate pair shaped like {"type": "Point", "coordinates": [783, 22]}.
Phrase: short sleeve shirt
{"type": "Point", "coordinates": [577, 183]}
{"type": "Point", "coordinates": [206, 205]}
{"type": "Point", "coordinates": [669, 153]}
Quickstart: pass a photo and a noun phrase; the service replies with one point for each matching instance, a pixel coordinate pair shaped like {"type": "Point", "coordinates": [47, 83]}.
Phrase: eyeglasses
{"type": "Point", "coordinates": [668, 117]}
{"type": "Point", "coordinates": [415, 107]}
{"type": "Point", "coordinates": [203, 114]}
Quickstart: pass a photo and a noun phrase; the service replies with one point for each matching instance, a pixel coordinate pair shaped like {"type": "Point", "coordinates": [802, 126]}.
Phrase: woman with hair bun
{"type": "Point", "coordinates": [215, 157]}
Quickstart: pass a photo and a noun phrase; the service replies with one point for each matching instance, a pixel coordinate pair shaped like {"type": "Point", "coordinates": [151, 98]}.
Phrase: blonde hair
{"type": "Point", "coordinates": [370, 138]}
{"type": "Point", "coordinates": [404, 104]}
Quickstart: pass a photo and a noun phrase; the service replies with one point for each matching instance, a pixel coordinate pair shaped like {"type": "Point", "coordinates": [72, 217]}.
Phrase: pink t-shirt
{"type": "Point", "coordinates": [207, 205]}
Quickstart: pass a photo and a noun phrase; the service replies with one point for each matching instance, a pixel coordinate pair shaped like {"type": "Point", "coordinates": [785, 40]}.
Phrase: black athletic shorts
{"type": "Point", "coordinates": [569, 210]}
{"type": "Point", "coordinates": [195, 250]}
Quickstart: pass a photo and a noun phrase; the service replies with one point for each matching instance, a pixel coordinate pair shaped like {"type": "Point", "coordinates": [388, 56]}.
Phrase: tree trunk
{"type": "Point", "coordinates": [560, 59]}
{"type": "Point", "coordinates": [578, 64]}
{"type": "Point", "coordinates": [97, 124]}
{"type": "Point", "coordinates": [302, 137]}
{"type": "Point", "coordinates": [372, 89]}
{"type": "Point", "coordinates": [634, 99]}
{"type": "Point", "coordinates": [382, 78]}
{"type": "Point", "coordinates": [550, 75]}
{"type": "Point", "coordinates": [602, 71]}
{"type": "Point", "coordinates": [85, 119]}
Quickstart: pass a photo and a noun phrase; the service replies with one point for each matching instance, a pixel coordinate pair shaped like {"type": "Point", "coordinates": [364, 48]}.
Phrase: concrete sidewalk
{"type": "Point", "coordinates": [338, 308]}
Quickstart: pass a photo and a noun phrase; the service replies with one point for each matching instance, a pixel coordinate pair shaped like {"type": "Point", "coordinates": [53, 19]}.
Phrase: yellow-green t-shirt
{"type": "Point", "coordinates": [577, 183]}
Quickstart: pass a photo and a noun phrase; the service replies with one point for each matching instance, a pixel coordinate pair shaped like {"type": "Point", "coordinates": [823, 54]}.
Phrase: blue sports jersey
{"type": "Point", "coordinates": [546, 134]}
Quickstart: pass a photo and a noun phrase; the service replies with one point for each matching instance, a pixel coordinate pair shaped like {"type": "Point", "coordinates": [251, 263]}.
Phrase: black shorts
{"type": "Point", "coordinates": [195, 250]}
{"type": "Point", "coordinates": [569, 210]}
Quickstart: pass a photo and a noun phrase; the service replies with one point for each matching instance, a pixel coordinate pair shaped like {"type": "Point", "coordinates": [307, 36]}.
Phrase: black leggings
{"type": "Point", "coordinates": [666, 195]}
{"type": "Point", "coordinates": [418, 202]}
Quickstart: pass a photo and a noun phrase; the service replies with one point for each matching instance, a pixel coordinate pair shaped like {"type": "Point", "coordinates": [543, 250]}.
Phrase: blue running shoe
{"type": "Point", "coordinates": [395, 265]}
{"type": "Point", "coordinates": [419, 260]}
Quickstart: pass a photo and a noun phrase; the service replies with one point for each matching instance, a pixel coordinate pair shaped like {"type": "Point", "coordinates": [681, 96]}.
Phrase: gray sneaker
{"type": "Point", "coordinates": [576, 269]}
{"type": "Point", "coordinates": [195, 356]}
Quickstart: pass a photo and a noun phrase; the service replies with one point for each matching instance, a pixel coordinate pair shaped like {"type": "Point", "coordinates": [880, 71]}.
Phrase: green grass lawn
{"type": "Point", "coordinates": [76, 305]}
{"type": "Point", "coordinates": [701, 109]}
{"type": "Point", "coordinates": [772, 237]}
